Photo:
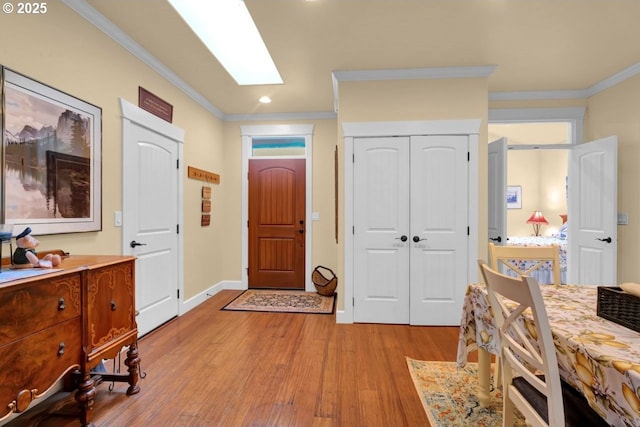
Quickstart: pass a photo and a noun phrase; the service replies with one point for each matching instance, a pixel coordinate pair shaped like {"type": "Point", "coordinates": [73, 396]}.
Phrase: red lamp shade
{"type": "Point", "coordinates": [536, 219]}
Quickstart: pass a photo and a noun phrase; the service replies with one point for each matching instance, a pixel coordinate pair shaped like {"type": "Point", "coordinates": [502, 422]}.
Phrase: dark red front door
{"type": "Point", "coordinates": [276, 223]}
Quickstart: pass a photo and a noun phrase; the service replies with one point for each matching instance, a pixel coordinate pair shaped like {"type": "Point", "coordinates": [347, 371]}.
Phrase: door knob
{"type": "Point", "coordinates": [417, 239]}
{"type": "Point", "coordinates": [402, 238]}
{"type": "Point", "coordinates": [496, 239]}
{"type": "Point", "coordinates": [133, 244]}
{"type": "Point", "coordinates": [608, 240]}
{"type": "Point", "coordinates": [301, 231]}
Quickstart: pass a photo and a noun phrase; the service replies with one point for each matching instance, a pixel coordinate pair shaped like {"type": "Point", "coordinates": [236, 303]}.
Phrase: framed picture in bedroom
{"type": "Point", "coordinates": [51, 158]}
{"type": "Point", "coordinates": [514, 197]}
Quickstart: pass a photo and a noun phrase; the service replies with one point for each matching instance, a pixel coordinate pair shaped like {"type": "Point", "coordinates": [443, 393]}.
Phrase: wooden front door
{"type": "Point", "coordinates": [276, 223]}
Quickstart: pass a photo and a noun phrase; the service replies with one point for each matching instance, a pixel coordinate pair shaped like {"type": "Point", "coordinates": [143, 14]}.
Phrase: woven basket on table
{"type": "Point", "coordinates": [325, 286]}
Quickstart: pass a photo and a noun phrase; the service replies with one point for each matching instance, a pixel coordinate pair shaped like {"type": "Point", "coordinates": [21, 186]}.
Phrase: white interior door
{"type": "Point", "coordinates": [151, 204]}
{"type": "Point", "coordinates": [408, 188]}
{"type": "Point", "coordinates": [439, 207]}
{"type": "Point", "coordinates": [593, 204]}
{"type": "Point", "coordinates": [497, 191]}
{"type": "Point", "coordinates": [381, 209]}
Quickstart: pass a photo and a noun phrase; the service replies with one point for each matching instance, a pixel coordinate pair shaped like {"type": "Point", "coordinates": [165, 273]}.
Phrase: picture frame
{"type": "Point", "coordinates": [51, 158]}
{"type": "Point", "coordinates": [514, 197]}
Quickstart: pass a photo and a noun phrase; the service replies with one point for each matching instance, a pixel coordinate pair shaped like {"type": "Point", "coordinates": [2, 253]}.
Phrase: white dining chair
{"type": "Point", "coordinates": [510, 256]}
{"type": "Point", "coordinates": [530, 375]}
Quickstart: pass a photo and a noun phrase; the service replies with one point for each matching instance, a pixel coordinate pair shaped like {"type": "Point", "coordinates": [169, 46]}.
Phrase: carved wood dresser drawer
{"type": "Point", "coordinates": [38, 305]}
{"type": "Point", "coordinates": [30, 366]}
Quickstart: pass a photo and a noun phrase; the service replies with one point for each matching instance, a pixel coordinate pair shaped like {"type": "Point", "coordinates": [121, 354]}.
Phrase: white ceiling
{"type": "Point", "coordinates": [551, 45]}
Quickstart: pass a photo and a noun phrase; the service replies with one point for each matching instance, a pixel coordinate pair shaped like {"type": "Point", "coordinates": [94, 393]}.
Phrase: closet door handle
{"type": "Point", "coordinates": [496, 239]}
{"type": "Point", "coordinates": [608, 240]}
{"type": "Point", "coordinates": [417, 239]}
{"type": "Point", "coordinates": [402, 238]}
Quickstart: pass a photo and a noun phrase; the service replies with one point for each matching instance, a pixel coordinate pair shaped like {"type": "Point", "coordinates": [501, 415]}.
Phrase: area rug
{"type": "Point", "coordinates": [448, 395]}
{"type": "Point", "coordinates": [282, 301]}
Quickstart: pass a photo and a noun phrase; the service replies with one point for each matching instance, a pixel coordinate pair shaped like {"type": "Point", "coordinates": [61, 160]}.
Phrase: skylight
{"type": "Point", "coordinates": [228, 31]}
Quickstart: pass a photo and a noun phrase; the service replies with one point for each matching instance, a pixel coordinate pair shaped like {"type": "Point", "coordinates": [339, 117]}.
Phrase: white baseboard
{"type": "Point", "coordinates": [198, 299]}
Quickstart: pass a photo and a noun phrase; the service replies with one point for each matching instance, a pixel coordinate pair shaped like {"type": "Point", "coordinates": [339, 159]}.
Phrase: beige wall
{"type": "Point", "coordinates": [406, 100]}
{"type": "Point", "coordinates": [64, 51]}
{"type": "Point", "coordinates": [616, 111]}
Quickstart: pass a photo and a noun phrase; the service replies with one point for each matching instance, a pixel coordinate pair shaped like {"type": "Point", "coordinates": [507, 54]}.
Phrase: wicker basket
{"type": "Point", "coordinates": [325, 286]}
{"type": "Point", "coordinates": [618, 306]}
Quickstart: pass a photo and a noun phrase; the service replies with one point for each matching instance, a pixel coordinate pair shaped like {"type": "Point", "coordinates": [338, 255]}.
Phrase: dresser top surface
{"type": "Point", "coordinates": [70, 264]}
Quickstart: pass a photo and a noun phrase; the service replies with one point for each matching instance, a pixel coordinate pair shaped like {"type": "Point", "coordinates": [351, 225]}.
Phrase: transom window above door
{"type": "Point", "coordinates": [278, 146]}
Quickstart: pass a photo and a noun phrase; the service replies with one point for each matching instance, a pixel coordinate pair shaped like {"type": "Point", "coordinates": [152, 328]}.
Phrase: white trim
{"type": "Point", "coordinates": [321, 115]}
{"type": "Point", "coordinates": [573, 115]}
{"type": "Point", "coordinates": [247, 133]}
{"type": "Point", "coordinates": [143, 118]}
{"type": "Point", "coordinates": [415, 73]}
{"type": "Point", "coordinates": [528, 95]}
{"type": "Point", "coordinates": [147, 120]}
{"type": "Point", "coordinates": [201, 297]}
{"type": "Point", "coordinates": [411, 128]}
{"type": "Point", "coordinates": [469, 127]}
{"type": "Point", "coordinates": [613, 80]}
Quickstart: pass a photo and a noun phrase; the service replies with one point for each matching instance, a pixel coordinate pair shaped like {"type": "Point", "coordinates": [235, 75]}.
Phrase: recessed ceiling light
{"type": "Point", "coordinates": [228, 31]}
{"type": "Point", "coordinates": [265, 99]}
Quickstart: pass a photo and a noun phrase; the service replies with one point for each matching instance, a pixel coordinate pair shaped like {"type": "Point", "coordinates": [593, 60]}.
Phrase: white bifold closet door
{"type": "Point", "coordinates": [410, 229]}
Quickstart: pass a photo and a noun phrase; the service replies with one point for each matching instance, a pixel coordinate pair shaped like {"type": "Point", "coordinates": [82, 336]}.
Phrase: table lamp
{"type": "Point", "coordinates": [536, 219]}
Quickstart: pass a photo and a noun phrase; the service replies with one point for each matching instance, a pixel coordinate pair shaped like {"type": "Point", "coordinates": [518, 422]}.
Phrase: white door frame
{"type": "Point", "coordinates": [248, 132]}
{"type": "Point", "coordinates": [145, 119]}
{"type": "Point", "coordinates": [353, 130]}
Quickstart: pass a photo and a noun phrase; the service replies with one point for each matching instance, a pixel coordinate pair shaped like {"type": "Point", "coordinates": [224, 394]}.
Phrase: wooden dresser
{"type": "Point", "coordinates": [61, 325]}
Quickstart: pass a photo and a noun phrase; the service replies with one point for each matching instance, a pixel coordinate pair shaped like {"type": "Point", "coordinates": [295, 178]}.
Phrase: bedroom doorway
{"type": "Point", "coordinates": [539, 177]}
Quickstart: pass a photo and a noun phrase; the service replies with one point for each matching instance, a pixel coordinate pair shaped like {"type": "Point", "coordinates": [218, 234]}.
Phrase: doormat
{"type": "Point", "coordinates": [282, 301]}
{"type": "Point", "coordinates": [448, 395]}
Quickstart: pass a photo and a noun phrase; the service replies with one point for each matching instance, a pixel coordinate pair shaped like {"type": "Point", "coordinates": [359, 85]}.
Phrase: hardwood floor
{"type": "Point", "coordinates": [223, 368]}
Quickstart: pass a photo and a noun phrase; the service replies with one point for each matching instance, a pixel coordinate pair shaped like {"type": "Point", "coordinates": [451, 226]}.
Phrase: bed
{"type": "Point", "coordinates": [544, 274]}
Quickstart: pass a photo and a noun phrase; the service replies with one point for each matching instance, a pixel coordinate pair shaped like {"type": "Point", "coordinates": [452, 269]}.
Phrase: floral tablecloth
{"type": "Point", "coordinates": [598, 357]}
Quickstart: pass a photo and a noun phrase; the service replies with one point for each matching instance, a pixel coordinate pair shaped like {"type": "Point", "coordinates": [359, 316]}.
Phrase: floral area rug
{"type": "Point", "coordinates": [282, 301]}
{"type": "Point", "coordinates": [448, 395]}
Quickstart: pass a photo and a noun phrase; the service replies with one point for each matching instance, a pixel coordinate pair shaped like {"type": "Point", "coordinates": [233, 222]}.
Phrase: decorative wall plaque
{"type": "Point", "coordinates": [156, 106]}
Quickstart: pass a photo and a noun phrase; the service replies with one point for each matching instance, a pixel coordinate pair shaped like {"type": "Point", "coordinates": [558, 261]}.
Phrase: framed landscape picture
{"type": "Point", "coordinates": [514, 197]}
{"type": "Point", "coordinates": [51, 158]}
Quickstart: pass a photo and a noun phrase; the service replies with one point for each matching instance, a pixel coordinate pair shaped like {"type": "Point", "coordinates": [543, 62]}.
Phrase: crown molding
{"type": "Point", "coordinates": [415, 73]}
{"type": "Point", "coordinates": [321, 115]}
{"type": "Point", "coordinates": [530, 95]}
{"type": "Point", "coordinates": [613, 80]}
{"type": "Point", "coordinates": [98, 20]}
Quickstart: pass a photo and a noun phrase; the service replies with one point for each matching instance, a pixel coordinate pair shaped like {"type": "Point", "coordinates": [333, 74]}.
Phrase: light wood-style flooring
{"type": "Point", "coordinates": [222, 368]}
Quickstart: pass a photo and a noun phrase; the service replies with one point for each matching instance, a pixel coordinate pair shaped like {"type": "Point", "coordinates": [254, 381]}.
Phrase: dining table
{"type": "Point", "coordinates": [598, 357]}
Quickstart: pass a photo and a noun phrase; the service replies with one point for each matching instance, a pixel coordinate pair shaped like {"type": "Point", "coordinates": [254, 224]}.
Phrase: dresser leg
{"type": "Point", "coordinates": [133, 361]}
{"type": "Point", "coordinates": [84, 396]}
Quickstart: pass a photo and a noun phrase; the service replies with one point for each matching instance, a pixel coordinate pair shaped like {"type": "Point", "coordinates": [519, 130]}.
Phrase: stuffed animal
{"type": "Point", "coordinates": [25, 255]}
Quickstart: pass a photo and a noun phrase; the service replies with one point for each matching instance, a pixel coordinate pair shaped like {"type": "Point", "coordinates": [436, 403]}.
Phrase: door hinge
{"type": "Point", "coordinates": [353, 229]}
{"type": "Point", "coordinates": [247, 223]}
{"type": "Point", "coordinates": [177, 163]}
{"type": "Point", "coordinates": [247, 268]}
{"type": "Point", "coordinates": [353, 301]}
{"type": "Point", "coordinates": [178, 292]}
{"type": "Point", "coordinates": [177, 228]}
{"type": "Point", "coordinates": [468, 156]}
{"type": "Point", "coordinates": [353, 158]}
{"type": "Point", "coordinates": [468, 231]}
